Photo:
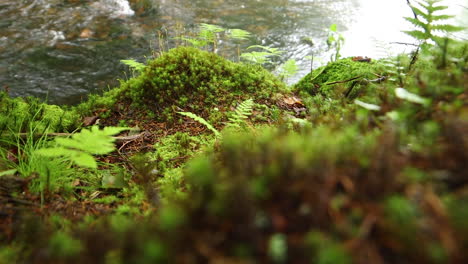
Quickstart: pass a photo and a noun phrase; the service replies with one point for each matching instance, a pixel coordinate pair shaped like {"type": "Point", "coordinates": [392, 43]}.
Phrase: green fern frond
{"type": "Point", "coordinates": [416, 22]}
{"type": "Point", "coordinates": [288, 69]}
{"type": "Point", "coordinates": [200, 120]}
{"type": "Point", "coordinates": [81, 146]}
{"type": "Point", "coordinates": [135, 65]}
{"type": "Point", "coordinates": [419, 35]}
{"type": "Point", "coordinates": [442, 17]}
{"type": "Point", "coordinates": [211, 28]}
{"type": "Point", "coordinates": [239, 34]}
{"type": "Point", "coordinates": [242, 112]}
{"type": "Point", "coordinates": [197, 43]}
{"type": "Point", "coordinates": [428, 21]}
{"type": "Point", "coordinates": [446, 28]}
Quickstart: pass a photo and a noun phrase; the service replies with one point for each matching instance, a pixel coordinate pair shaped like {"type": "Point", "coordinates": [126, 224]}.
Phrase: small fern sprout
{"type": "Point", "coordinates": [242, 112]}
{"type": "Point", "coordinates": [134, 65]}
{"type": "Point", "coordinates": [261, 57]}
{"type": "Point", "coordinates": [201, 120]}
{"type": "Point", "coordinates": [289, 69]}
{"type": "Point", "coordinates": [209, 33]}
{"type": "Point", "coordinates": [240, 35]}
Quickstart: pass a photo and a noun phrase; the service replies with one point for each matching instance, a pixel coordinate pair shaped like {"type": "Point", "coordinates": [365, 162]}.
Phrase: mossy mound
{"type": "Point", "coordinates": [29, 114]}
{"type": "Point", "coordinates": [189, 79]}
{"type": "Point", "coordinates": [341, 74]}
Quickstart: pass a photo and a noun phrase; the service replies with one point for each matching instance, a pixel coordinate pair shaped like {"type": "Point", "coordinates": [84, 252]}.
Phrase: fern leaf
{"type": "Point", "coordinates": [259, 57]}
{"type": "Point", "coordinates": [242, 112]}
{"type": "Point", "coordinates": [239, 34]}
{"type": "Point", "coordinates": [442, 17]}
{"type": "Point", "coordinates": [416, 22]}
{"type": "Point", "coordinates": [81, 146]}
{"type": "Point", "coordinates": [418, 12]}
{"type": "Point", "coordinates": [200, 120]}
{"type": "Point", "coordinates": [419, 35]}
{"type": "Point", "coordinates": [211, 28]}
{"type": "Point", "coordinates": [446, 28]}
{"type": "Point", "coordinates": [289, 68]}
{"type": "Point", "coordinates": [138, 66]}
{"type": "Point", "coordinates": [197, 43]}
{"type": "Point", "coordinates": [438, 8]}
{"type": "Point", "coordinates": [84, 160]}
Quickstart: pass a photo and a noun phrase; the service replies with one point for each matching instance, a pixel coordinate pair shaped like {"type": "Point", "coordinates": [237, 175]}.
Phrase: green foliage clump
{"type": "Point", "coordinates": [169, 153]}
{"type": "Point", "coordinates": [337, 77]}
{"type": "Point", "coordinates": [25, 114]}
{"type": "Point", "coordinates": [194, 80]}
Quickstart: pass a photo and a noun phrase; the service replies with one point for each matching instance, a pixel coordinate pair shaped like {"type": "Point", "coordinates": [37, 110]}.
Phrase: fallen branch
{"type": "Point", "coordinates": [344, 81]}
{"type": "Point", "coordinates": [118, 140]}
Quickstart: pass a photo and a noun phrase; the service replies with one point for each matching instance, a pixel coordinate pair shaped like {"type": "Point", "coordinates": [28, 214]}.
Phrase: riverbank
{"type": "Point", "coordinates": [361, 161]}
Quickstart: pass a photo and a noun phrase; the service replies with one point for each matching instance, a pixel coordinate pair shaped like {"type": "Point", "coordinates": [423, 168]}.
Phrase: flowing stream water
{"type": "Point", "coordinates": [63, 50]}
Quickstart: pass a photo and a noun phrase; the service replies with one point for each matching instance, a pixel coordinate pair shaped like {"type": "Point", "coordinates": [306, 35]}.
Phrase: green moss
{"type": "Point", "coordinates": [192, 80]}
{"type": "Point", "coordinates": [29, 114]}
{"type": "Point", "coordinates": [319, 80]}
{"type": "Point", "coordinates": [170, 152]}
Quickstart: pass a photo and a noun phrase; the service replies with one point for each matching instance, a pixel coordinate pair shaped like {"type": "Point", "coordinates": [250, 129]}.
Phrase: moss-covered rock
{"type": "Point", "coordinates": [338, 75]}
{"type": "Point", "coordinates": [190, 79]}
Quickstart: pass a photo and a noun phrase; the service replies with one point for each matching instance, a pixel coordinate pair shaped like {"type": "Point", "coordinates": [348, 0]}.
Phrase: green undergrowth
{"type": "Point", "coordinates": [24, 114]}
{"type": "Point", "coordinates": [170, 155]}
{"type": "Point", "coordinates": [339, 75]}
{"type": "Point", "coordinates": [191, 80]}
{"type": "Point", "coordinates": [280, 196]}
{"type": "Point", "coordinates": [372, 172]}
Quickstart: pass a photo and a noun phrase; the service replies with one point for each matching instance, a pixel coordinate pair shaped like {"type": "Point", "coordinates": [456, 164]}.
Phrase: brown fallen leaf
{"type": "Point", "coordinates": [86, 33]}
{"type": "Point", "coordinates": [362, 59]}
{"type": "Point", "coordinates": [89, 120]}
{"type": "Point", "coordinates": [292, 100]}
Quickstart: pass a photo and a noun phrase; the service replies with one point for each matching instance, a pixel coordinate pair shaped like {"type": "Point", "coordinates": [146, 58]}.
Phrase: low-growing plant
{"type": "Point", "coordinates": [261, 57]}
{"type": "Point", "coordinates": [335, 42]}
{"type": "Point", "coordinates": [241, 113]}
{"type": "Point", "coordinates": [237, 120]}
{"type": "Point", "coordinates": [80, 147]}
{"type": "Point", "coordinates": [288, 69]}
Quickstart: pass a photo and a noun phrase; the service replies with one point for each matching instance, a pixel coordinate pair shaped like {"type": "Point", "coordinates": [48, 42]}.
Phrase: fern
{"type": "Point", "coordinates": [242, 112]}
{"type": "Point", "coordinates": [289, 69]}
{"type": "Point", "coordinates": [260, 57]}
{"type": "Point", "coordinates": [81, 146]}
{"type": "Point", "coordinates": [209, 32]}
{"type": "Point", "coordinates": [239, 34]}
{"type": "Point", "coordinates": [133, 64]}
{"type": "Point", "coordinates": [427, 22]}
{"type": "Point", "coordinates": [200, 120]}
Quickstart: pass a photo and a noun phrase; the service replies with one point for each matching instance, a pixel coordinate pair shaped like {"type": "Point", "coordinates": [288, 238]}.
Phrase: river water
{"type": "Point", "coordinates": [63, 50]}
